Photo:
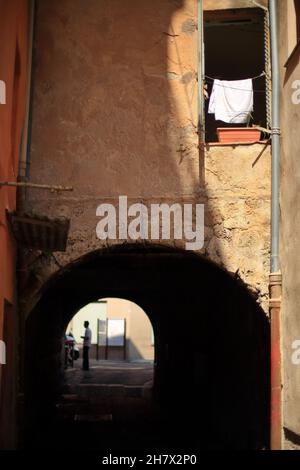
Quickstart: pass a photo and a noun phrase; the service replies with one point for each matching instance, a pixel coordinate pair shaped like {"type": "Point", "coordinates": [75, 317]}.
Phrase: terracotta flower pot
{"type": "Point", "coordinates": [238, 134]}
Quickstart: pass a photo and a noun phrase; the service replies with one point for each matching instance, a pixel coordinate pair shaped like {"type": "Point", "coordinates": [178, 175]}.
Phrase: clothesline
{"type": "Point", "coordinates": [262, 74]}
{"type": "Point", "coordinates": [234, 88]}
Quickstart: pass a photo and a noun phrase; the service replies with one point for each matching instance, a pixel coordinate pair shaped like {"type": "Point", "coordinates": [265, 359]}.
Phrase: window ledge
{"type": "Point", "coordinates": [236, 144]}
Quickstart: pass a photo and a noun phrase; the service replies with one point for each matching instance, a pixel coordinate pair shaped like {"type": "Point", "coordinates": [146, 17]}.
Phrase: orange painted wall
{"type": "Point", "coordinates": [13, 72]}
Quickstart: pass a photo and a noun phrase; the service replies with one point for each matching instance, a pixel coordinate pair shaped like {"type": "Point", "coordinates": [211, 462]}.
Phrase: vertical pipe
{"type": "Point", "coordinates": [275, 278]}
{"type": "Point", "coordinates": [201, 71]}
{"type": "Point", "coordinates": [25, 137]}
{"type": "Point", "coordinates": [21, 193]}
{"type": "Point", "coordinates": [275, 137]}
{"type": "Point", "coordinates": [24, 151]}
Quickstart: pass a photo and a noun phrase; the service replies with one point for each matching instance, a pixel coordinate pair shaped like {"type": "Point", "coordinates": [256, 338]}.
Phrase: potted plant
{"type": "Point", "coordinates": [248, 134]}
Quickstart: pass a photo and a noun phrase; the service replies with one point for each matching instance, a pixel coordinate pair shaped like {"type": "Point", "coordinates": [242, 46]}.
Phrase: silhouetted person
{"type": "Point", "coordinates": [87, 342]}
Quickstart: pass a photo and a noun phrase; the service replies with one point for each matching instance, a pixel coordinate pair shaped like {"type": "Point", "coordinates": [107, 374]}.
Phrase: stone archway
{"type": "Point", "coordinates": [212, 340]}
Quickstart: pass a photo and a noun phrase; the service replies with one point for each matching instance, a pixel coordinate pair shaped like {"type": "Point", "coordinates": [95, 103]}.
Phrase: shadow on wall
{"type": "Point", "coordinates": [116, 83]}
{"type": "Point", "coordinates": [117, 353]}
{"type": "Point", "coordinates": [133, 353]}
{"type": "Point", "coordinates": [291, 65]}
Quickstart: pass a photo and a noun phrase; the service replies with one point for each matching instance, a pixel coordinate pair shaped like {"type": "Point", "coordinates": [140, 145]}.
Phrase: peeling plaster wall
{"type": "Point", "coordinates": [237, 185]}
{"type": "Point", "coordinates": [115, 113]}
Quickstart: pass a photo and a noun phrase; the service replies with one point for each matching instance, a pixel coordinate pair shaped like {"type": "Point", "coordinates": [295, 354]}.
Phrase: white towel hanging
{"type": "Point", "coordinates": [231, 101]}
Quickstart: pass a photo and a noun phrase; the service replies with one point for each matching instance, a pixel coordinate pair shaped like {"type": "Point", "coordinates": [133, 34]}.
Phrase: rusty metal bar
{"type": "Point", "coordinates": [36, 186]}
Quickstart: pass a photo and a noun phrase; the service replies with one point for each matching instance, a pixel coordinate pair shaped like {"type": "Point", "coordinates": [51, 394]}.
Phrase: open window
{"type": "Point", "coordinates": [235, 50]}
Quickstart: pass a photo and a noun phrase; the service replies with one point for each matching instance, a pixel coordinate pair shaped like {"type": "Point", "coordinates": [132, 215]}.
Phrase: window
{"type": "Point", "coordinates": [234, 50]}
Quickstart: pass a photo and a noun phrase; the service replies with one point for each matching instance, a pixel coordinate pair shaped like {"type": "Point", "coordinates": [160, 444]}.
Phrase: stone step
{"type": "Point", "coordinates": [115, 390]}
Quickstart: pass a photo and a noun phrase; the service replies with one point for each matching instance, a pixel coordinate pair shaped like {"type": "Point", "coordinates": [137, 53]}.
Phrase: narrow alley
{"type": "Point", "coordinates": [149, 216]}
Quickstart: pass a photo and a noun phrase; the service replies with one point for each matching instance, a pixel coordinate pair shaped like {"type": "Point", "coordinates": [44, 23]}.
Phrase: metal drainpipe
{"type": "Point", "coordinates": [25, 145]}
{"type": "Point", "coordinates": [275, 276]}
{"type": "Point", "coordinates": [201, 117]}
{"type": "Point", "coordinates": [21, 192]}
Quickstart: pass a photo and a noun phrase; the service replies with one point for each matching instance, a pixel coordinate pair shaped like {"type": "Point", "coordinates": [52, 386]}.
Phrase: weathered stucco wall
{"type": "Point", "coordinates": [237, 186]}
{"type": "Point", "coordinates": [290, 227]}
{"type": "Point", "coordinates": [115, 97]}
{"type": "Point", "coordinates": [115, 113]}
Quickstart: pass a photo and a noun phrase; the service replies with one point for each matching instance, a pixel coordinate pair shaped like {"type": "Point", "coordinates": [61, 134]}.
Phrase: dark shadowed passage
{"type": "Point", "coordinates": [210, 386]}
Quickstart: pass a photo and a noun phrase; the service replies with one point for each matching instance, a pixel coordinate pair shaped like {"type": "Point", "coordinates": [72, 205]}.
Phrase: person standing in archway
{"type": "Point", "coordinates": [87, 342]}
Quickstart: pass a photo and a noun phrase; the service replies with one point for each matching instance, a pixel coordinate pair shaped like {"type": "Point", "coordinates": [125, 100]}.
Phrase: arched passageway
{"type": "Point", "coordinates": [113, 384]}
{"type": "Point", "coordinates": [211, 382]}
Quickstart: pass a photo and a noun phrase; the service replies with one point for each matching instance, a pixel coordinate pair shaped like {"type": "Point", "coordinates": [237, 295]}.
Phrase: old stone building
{"type": "Point", "coordinates": [133, 116]}
{"type": "Point", "coordinates": [119, 106]}
{"type": "Point", "coordinates": [115, 108]}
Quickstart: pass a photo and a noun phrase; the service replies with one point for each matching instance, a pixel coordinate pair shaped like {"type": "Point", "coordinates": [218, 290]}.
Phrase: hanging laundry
{"type": "Point", "coordinates": [231, 101]}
